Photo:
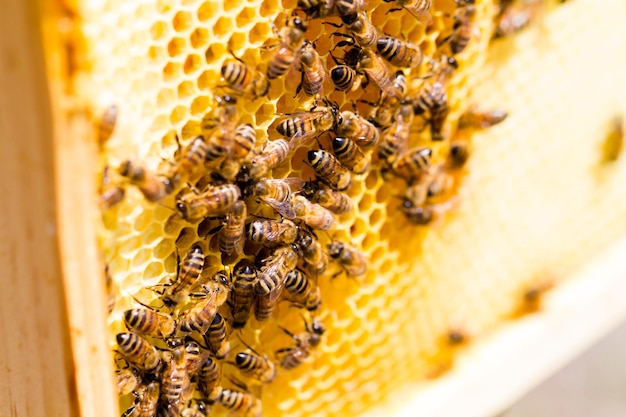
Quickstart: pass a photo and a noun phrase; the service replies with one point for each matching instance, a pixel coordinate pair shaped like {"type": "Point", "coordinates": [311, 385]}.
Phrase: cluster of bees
{"type": "Point", "coordinates": [267, 229]}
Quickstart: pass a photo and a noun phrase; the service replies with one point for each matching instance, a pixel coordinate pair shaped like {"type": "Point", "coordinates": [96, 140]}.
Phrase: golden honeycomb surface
{"type": "Point", "coordinates": [527, 208]}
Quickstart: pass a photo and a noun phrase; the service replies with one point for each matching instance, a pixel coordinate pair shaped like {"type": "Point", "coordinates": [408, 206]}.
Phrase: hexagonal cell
{"type": "Point", "coordinates": [214, 52]}
{"type": "Point", "coordinates": [208, 10]}
{"type": "Point", "coordinates": [200, 105]}
{"type": "Point", "coordinates": [182, 21]}
{"type": "Point", "coordinates": [223, 26]}
{"type": "Point", "coordinates": [159, 30]}
{"type": "Point", "coordinates": [177, 46]}
{"type": "Point", "coordinates": [153, 270]}
{"type": "Point", "coordinates": [192, 64]}
{"type": "Point", "coordinates": [172, 70]}
{"type": "Point", "coordinates": [199, 37]}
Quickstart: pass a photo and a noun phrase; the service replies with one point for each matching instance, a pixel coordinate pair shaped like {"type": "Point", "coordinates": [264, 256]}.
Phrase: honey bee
{"type": "Point", "coordinates": [253, 365]}
{"type": "Point", "coordinates": [214, 201]}
{"type": "Point", "coordinates": [107, 123]}
{"type": "Point", "coordinates": [244, 79]}
{"type": "Point", "coordinates": [344, 78]}
{"type": "Point", "coordinates": [270, 233]}
{"type": "Point", "coordinates": [293, 357]}
{"type": "Point", "coordinates": [614, 142]}
{"type": "Point", "coordinates": [349, 258]}
{"type": "Point", "coordinates": [239, 401]}
{"type": "Point", "coordinates": [433, 98]}
{"type": "Point", "coordinates": [215, 337]}
{"type": "Point", "coordinates": [424, 214]}
{"type": "Point", "coordinates": [302, 291]}
{"type": "Point", "coordinates": [242, 296]}
{"type": "Point", "coordinates": [458, 155]}
{"type": "Point", "coordinates": [373, 66]}
{"type": "Point", "coordinates": [361, 29]}
{"type": "Point", "coordinates": [387, 107]}
{"type": "Point", "coordinates": [189, 270]}
{"type": "Point", "coordinates": [476, 119]}
{"type": "Point", "coordinates": [149, 323]}
{"type": "Point", "coordinates": [271, 281]}
{"type": "Point", "coordinates": [195, 357]}
{"type": "Point", "coordinates": [412, 164]}
{"type": "Point", "coordinates": [231, 237]}
{"type": "Point", "coordinates": [110, 194]}
{"type": "Point", "coordinates": [514, 18]}
{"type": "Point", "coordinates": [127, 380]}
{"type": "Point", "coordinates": [312, 214]}
{"type": "Point", "coordinates": [245, 140]}
{"type": "Point", "coordinates": [273, 155]}
{"type": "Point", "coordinates": [291, 42]}
{"type": "Point", "coordinates": [175, 382]}
{"type": "Point", "coordinates": [329, 170]}
{"type": "Point", "coordinates": [350, 156]}
{"type": "Point", "coordinates": [138, 351]}
{"type": "Point", "coordinates": [418, 8]}
{"type": "Point", "coordinates": [317, 8]}
{"type": "Point", "coordinates": [199, 410]}
{"type": "Point", "coordinates": [399, 53]}
{"type": "Point", "coordinates": [335, 201]}
{"type": "Point", "coordinates": [146, 402]}
{"type": "Point", "coordinates": [209, 376]}
{"type": "Point", "coordinates": [313, 71]}
{"type": "Point", "coordinates": [153, 187]}
{"type": "Point", "coordinates": [395, 140]}
{"type": "Point", "coordinates": [312, 252]}
{"type": "Point", "coordinates": [357, 129]}
{"type": "Point", "coordinates": [301, 126]}
{"type": "Point", "coordinates": [462, 29]}
{"type": "Point", "coordinates": [200, 316]}
{"type": "Point", "coordinates": [276, 194]}
{"type": "Point", "coordinates": [192, 158]}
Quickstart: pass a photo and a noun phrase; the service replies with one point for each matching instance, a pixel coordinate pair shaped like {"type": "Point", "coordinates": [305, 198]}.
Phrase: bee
{"type": "Point", "coordinates": [301, 126]}
{"type": "Point", "coordinates": [335, 201]}
{"type": "Point", "coordinates": [614, 142]}
{"type": "Point", "coordinates": [313, 71]}
{"type": "Point", "coordinates": [317, 8]}
{"type": "Point", "coordinates": [195, 357]}
{"type": "Point", "coordinates": [418, 8]}
{"type": "Point", "coordinates": [214, 201]}
{"type": "Point", "coordinates": [242, 296]}
{"type": "Point", "coordinates": [462, 28]}
{"type": "Point", "coordinates": [189, 270]}
{"type": "Point", "coordinates": [387, 107]}
{"type": "Point", "coordinates": [433, 98]}
{"type": "Point", "coordinates": [312, 252]}
{"type": "Point", "coordinates": [149, 323]}
{"type": "Point", "coordinates": [350, 156]}
{"type": "Point", "coordinates": [175, 382]}
{"type": "Point", "coordinates": [344, 78]}
{"type": "Point", "coordinates": [245, 139]}
{"type": "Point", "coordinates": [293, 357]}
{"type": "Point", "coordinates": [153, 187]}
{"type": "Point", "coordinates": [110, 194]}
{"type": "Point", "coordinates": [361, 29]}
{"type": "Point", "coordinates": [413, 163]}
{"type": "Point", "coordinates": [231, 237]}
{"type": "Point", "coordinates": [312, 214]}
{"type": "Point", "coordinates": [423, 214]}
{"type": "Point", "coordinates": [291, 42]}
{"type": "Point", "coordinates": [439, 182]}
{"type": "Point", "coordinates": [302, 291]}
{"type": "Point", "coordinates": [276, 194]}
{"type": "Point", "coordinates": [271, 280]}
{"type": "Point", "coordinates": [127, 380]}
{"type": "Point", "coordinates": [244, 79]}
{"type": "Point", "coordinates": [350, 258]}
{"type": "Point", "coordinates": [138, 351]}
{"type": "Point", "coordinates": [476, 119]}
{"type": "Point", "coordinates": [200, 316]}
{"type": "Point", "coordinates": [269, 232]}
{"type": "Point", "coordinates": [238, 401]}
{"type": "Point", "coordinates": [146, 402]}
{"type": "Point", "coordinates": [395, 140]}
{"type": "Point", "coordinates": [209, 376]}
{"type": "Point", "coordinates": [192, 158]}
{"type": "Point", "coordinates": [329, 170]}
{"type": "Point", "coordinates": [274, 154]}
{"type": "Point", "coordinates": [199, 410]}
{"type": "Point", "coordinates": [107, 123]}
{"type": "Point", "coordinates": [373, 66]}
{"type": "Point", "coordinates": [220, 128]}
{"type": "Point", "coordinates": [513, 19]}
{"type": "Point", "coordinates": [356, 128]}
{"type": "Point", "coordinates": [215, 337]}
{"type": "Point", "coordinates": [399, 53]}
{"type": "Point", "coordinates": [251, 364]}
{"type": "Point", "coordinates": [458, 155]}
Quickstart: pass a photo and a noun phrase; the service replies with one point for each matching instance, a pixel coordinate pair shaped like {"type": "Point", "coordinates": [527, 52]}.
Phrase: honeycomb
{"type": "Point", "coordinates": [160, 63]}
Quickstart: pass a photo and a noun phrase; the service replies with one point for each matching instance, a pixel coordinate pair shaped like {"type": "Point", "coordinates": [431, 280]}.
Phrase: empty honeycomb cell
{"type": "Point", "coordinates": [186, 237]}
{"type": "Point", "coordinates": [259, 32]}
{"type": "Point", "coordinates": [186, 89]}
{"type": "Point", "coordinates": [182, 21]}
{"type": "Point", "coordinates": [190, 129]}
{"type": "Point", "coordinates": [152, 234]}
{"type": "Point", "coordinates": [193, 63]}
{"type": "Point", "coordinates": [200, 105]}
{"type": "Point", "coordinates": [142, 220]}
{"type": "Point", "coordinates": [358, 228]}
{"type": "Point", "coordinates": [366, 203]}
{"type": "Point", "coordinates": [269, 8]}
{"type": "Point", "coordinates": [153, 270]}
{"type": "Point", "coordinates": [214, 52]}
{"type": "Point", "coordinates": [223, 26]}
{"type": "Point", "coordinates": [376, 217]}
{"type": "Point", "coordinates": [159, 30]}
{"type": "Point", "coordinates": [237, 40]}
{"type": "Point", "coordinates": [141, 257]}
{"type": "Point", "coordinates": [172, 71]}
{"type": "Point", "coordinates": [164, 248]}
{"type": "Point", "coordinates": [199, 38]}
{"type": "Point", "coordinates": [208, 10]}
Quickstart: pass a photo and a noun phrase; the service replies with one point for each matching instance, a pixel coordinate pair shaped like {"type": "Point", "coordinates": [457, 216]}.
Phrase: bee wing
{"type": "Point", "coordinates": [282, 207]}
{"type": "Point", "coordinates": [294, 183]}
